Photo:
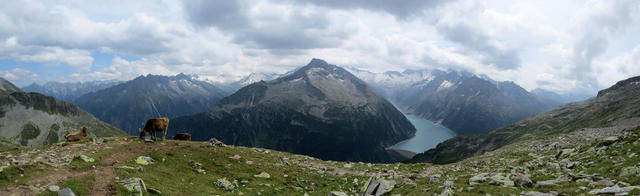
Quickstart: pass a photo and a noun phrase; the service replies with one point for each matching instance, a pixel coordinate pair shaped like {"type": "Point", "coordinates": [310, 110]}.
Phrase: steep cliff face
{"type": "Point", "coordinates": [320, 110]}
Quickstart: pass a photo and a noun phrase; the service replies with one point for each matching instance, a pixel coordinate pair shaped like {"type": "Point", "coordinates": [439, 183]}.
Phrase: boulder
{"type": "Point", "coordinates": [602, 182]}
{"type": "Point", "coordinates": [478, 179]}
{"type": "Point", "coordinates": [610, 140]}
{"type": "Point", "coordinates": [54, 188]}
{"type": "Point", "coordinates": [573, 164]}
{"type": "Point", "coordinates": [66, 192]}
{"type": "Point", "coordinates": [448, 184]}
{"type": "Point", "coordinates": [154, 191]}
{"type": "Point", "coordinates": [195, 164]}
{"type": "Point", "coordinates": [553, 182]}
{"type": "Point", "coordinates": [500, 179]}
{"type": "Point", "coordinates": [134, 185]}
{"type": "Point", "coordinates": [337, 193]}
{"type": "Point", "coordinates": [630, 171]}
{"type": "Point", "coordinates": [144, 160]}
{"type": "Point", "coordinates": [262, 175]}
{"type": "Point", "coordinates": [447, 192]}
{"type": "Point", "coordinates": [522, 180]}
{"type": "Point", "coordinates": [378, 187]}
{"type": "Point", "coordinates": [434, 178]}
{"type": "Point", "coordinates": [535, 193]}
{"type": "Point", "coordinates": [565, 153]}
{"type": "Point", "coordinates": [86, 158]}
{"type": "Point", "coordinates": [138, 168]}
{"type": "Point", "coordinates": [225, 184]}
{"type": "Point", "coordinates": [215, 142]}
{"type": "Point", "coordinates": [616, 190]}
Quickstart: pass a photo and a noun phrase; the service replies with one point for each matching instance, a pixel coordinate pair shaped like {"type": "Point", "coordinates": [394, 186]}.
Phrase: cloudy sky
{"type": "Point", "coordinates": [563, 46]}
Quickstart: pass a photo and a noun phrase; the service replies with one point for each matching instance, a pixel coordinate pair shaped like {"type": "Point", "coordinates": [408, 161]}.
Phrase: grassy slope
{"type": "Point", "coordinates": [601, 111]}
{"type": "Point", "coordinates": [173, 175]}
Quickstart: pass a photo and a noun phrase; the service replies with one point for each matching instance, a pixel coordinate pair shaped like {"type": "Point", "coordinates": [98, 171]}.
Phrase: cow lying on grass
{"type": "Point", "coordinates": [182, 136]}
{"type": "Point", "coordinates": [75, 136]}
{"type": "Point", "coordinates": [155, 125]}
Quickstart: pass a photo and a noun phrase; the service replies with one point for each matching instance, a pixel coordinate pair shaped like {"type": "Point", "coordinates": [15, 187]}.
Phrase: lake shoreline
{"type": "Point", "coordinates": [428, 135]}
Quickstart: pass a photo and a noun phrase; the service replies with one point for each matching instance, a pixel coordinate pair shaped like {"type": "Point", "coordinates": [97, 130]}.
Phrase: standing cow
{"type": "Point", "coordinates": [155, 125]}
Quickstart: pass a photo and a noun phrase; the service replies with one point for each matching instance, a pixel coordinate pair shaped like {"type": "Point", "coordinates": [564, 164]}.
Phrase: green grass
{"type": "Point", "coordinates": [79, 164]}
{"type": "Point", "coordinates": [16, 175]}
{"type": "Point", "coordinates": [174, 176]}
{"type": "Point", "coordinates": [29, 132]}
{"type": "Point", "coordinates": [79, 186]}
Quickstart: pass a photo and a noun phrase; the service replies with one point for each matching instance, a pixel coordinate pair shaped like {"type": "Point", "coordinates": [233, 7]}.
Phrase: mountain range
{"type": "Point", "coordinates": [69, 91]}
{"type": "Point", "coordinates": [320, 110]}
{"type": "Point", "coordinates": [562, 98]}
{"type": "Point", "coordinates": [585, 148]}
{"type": "Point", "coordinates": [459, 100]}
{"type": "Point", "coordinates": [615, 108]}
{"type": "Point", "coordinates": [33, 119]}
{"type": "Point", "coordinates": [128, 105]}
{"type": "Point", "coordinates": [247, 80]}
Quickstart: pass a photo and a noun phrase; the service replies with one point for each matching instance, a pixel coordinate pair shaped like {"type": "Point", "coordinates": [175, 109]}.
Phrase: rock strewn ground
{"type": "Point", "coordinates": [605, 163]}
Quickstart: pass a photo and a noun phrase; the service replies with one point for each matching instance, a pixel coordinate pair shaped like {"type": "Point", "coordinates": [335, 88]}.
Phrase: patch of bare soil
{"type": "Point", "coordinates": [104, 172]}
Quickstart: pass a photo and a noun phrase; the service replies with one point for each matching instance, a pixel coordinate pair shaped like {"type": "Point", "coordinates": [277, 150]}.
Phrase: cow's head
{"type": "Point", "coordinates": [142, 133]}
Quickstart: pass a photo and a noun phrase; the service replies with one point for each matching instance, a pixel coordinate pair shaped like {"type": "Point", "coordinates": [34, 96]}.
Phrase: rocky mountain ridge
{"type": "Point", "coordinates": [7, 87]}
{"type": "Point", "coordinates": [320, 110]}
{"type": "Point", "coordinates": [128, 105]}
{"type": "Point", "coordinates": [33, 119]}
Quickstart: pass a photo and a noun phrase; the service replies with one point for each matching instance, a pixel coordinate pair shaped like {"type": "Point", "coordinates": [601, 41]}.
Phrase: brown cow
{"type": "Point", "coordinates": [182, 136]}
{"type": "Point", "coordinates": [78, 135]}
{"type": "Point", "coordinates": [155, 125]}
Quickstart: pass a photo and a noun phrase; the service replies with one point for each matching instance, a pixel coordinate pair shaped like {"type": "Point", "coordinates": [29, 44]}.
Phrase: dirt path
{"type": "Point", "coordinates": [104, 172]}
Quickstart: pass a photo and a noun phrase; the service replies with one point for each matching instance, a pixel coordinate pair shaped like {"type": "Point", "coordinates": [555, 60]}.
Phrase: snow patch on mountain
{"type": "Point", "coordinates": [444, 85]}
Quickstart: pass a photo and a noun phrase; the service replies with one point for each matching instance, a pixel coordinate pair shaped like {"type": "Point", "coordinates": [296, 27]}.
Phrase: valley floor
{"type": "Point", "coordinates": [553, 165]}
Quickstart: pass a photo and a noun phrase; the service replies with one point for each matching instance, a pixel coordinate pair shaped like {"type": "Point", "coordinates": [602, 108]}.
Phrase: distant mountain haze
{"type": "Point", "coordinates": [69, 91]}
{"type": "Point", "coordinates": [128, 105]}
{"type": "Point", "coordinates": [320, 110]}
{"type": "Point", "coordinates": [563, 98]}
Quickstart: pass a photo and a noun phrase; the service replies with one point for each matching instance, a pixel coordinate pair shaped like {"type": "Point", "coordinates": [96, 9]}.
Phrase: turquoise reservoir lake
{"type": "Point", "coordinates": [428, 135]}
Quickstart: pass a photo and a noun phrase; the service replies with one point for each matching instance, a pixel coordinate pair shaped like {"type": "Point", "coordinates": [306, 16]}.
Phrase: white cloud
{"type": "Point", "coordinates": [17, 75]}
{"type": "Point", "coordinates": [553, 45]}
{"type": "Point", "coordinates": [74, 57]}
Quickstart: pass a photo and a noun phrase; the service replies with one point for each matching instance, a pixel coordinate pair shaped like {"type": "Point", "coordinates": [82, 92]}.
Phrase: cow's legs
{"type": "Point", "coordinates": [164, 134]}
